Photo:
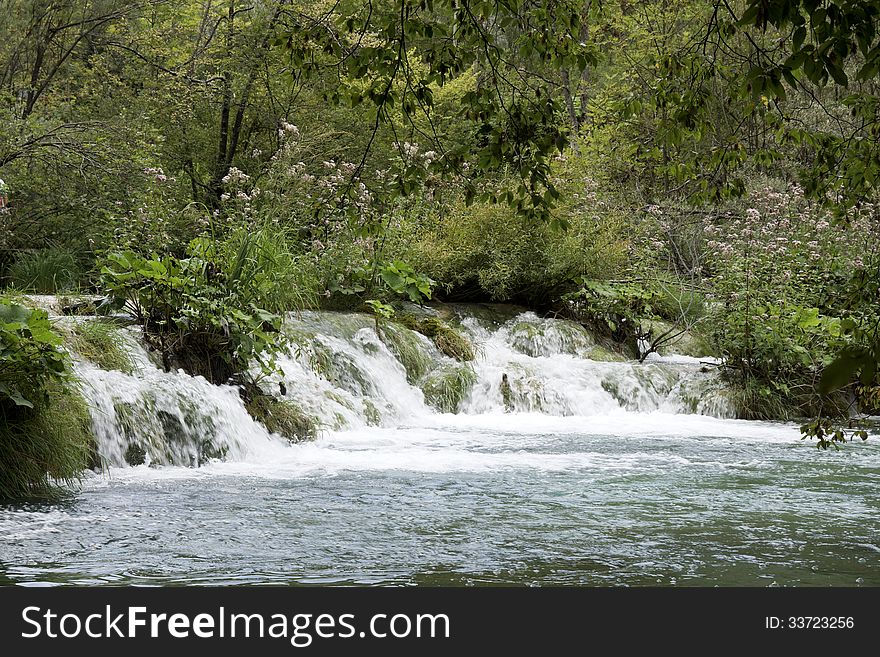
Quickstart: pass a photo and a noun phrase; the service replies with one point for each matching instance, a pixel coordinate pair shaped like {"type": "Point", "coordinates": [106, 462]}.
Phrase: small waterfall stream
{"type": "Point", "coordinates": [347, 373]}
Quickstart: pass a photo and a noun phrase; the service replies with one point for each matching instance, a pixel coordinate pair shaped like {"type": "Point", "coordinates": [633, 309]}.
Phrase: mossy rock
{"type": "Point", "coordinates": [604, 355]}
{"type": "Point", "coordinates": [446, 389]}
{"type": "Point", "coordinates": [283, 417]}
{"type": "Point", "coordinates": [488, 315]}
{"type": "Point", "coordinates": [447, 339]}
{"type": "Point", "coordinates": [209, 451]}
{"type": "Point", "coordinates": [371, 414]}
{"type": "Point", "coordinates": [172, 427]}
{"type": "Point", "coordinates": [82, 305]}
{"type": "Point", "coordinates": [338, 367]}
{"type": "Point", "coordinates": [407, 347]}
{"type": "Point", "coordinates": [688, 343]}
{"type": "Point", "coordinates": [135, 454]}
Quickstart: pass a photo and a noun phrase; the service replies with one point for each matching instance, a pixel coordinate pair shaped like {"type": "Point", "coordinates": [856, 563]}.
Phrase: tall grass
{"type": "Point", "coordinates": [43, 447]}
{"type": "Point", "coordinates": [262, 265]}
{"type": "Point", "coordinates": [48, 271]}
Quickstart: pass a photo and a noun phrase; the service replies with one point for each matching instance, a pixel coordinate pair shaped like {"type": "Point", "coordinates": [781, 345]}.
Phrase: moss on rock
{"type": "Point", "coordinates": [135, 454]}
{"type": "Point", "coordinates": [447, 339]}
{"type": "Point", "coordinates": [283, 417]}
{"type": "Point", "coordinates": [446, 389]}
{"type": "Point", "coordinates": [408, 349]}
{"type": "Point", "coordinates": [99, 342]}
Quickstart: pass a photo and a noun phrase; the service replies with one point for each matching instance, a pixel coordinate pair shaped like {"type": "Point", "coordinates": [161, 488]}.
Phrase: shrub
{"type": "Point", "coordinates": [612, 309]}
{"type": "Point", "coordinates": [30, 359]}
{"type": "Point", "coordinates": [214, 312]}
{"type": "Point", "coordinates": [782, 270]}
{"type": "Point", "coordinates": [488, 252]}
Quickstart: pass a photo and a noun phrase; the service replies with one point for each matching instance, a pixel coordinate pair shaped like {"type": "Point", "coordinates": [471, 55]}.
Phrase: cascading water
{"type": "Point", "coordinates": [588, 469]}
{"type": "Point", "coordinates": [346, 372]}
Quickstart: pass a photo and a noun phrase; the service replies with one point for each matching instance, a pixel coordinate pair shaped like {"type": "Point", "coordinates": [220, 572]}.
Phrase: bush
{"type": "Point", "coordinates": [30, 359]}
{"type": "Point", "coordinates": [48, 272]}
{"type": "Point", "coordinates": [782, 272]}
{"type": "Point", "coordinates": [215, 312]}
{"type": "Point", "coordinates": [487, 252]}
{"type": "Point", "coordinates": [612, 309]}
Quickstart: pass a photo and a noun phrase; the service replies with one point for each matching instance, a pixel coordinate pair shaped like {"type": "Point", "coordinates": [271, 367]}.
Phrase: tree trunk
{"type": "Point", "coordinates": [569, 105]}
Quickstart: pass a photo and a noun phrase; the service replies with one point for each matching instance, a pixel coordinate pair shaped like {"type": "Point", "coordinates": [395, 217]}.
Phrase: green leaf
{"type": "Point", "coordinates": [841, 371]}
{"type": "Point", "coordinates": [15, 395]}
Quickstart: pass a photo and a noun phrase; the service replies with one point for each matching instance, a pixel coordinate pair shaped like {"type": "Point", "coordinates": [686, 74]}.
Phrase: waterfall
{"type": "Point", "coordinates": [347, 373]}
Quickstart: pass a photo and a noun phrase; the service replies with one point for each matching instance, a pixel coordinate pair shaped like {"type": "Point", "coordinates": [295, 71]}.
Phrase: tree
{"type": "Point", "coordinates": [818, 44]}
{"type": "Point", "coordinates": [395, 54]}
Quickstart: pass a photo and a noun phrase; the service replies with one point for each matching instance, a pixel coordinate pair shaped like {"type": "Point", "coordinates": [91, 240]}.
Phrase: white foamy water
{"type": "Point", "coordinates": [347, 376]}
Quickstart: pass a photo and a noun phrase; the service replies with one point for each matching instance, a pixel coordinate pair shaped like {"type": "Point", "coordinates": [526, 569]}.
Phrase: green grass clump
{"type": "Point", "coordinates": [283, 417]}
{"type": "Point", "coordinates": [45, 446]}
{"type": "Point", "coordinates": [408, 350]}
{"type": "Point", "coordinates": [448, 340]}
{"type": "Point", "coordinates": [46, 272]}
{"type": "Point", "coordinates": [100, 342]}
{"type": "Point", "coordinates": [756, 400]}
{"type": "Point", "coordinates": [446, 390]}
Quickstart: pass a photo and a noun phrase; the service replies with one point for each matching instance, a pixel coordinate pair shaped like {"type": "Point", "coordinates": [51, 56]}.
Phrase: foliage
{"type": "Point", "coordinates": [613, 308]}
{"type": "Point", "coordinates": [486, 252]}
{"type": "Point", "coordinates": [411, 55]}
{"type": "Point", "coordinates": [30, 359]}
{"type": "Point", "coordinates": [208, 311]}
{"type": "Point", "coordinates": [45, 430]}
{"type": "Point", "coordinates": [781, 274]}
{"type": "Point", "coordinates": [402, 280]}
{"type": "Point", "coordinates": [826, 43]}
